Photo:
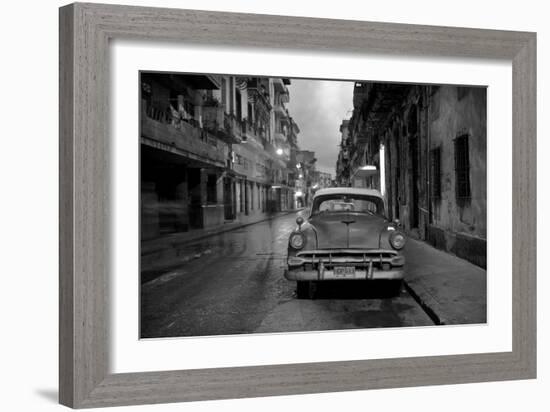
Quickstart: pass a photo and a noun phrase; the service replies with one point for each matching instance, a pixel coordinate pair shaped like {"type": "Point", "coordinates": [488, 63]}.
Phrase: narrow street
{"type": "Point", "coordinates": [233, 283]}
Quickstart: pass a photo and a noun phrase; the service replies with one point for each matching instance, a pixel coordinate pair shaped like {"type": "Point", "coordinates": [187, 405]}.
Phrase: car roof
{"type": "Point", "coordinates": [347, 191]}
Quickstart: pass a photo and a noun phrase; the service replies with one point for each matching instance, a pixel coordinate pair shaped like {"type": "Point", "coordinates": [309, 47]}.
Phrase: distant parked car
{"type": "Point", "coordinates": [346, 236]}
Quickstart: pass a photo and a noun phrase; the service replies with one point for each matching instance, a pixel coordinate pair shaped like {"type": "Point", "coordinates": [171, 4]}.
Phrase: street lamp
{"type": "Point", "coordinates": [279, 151]}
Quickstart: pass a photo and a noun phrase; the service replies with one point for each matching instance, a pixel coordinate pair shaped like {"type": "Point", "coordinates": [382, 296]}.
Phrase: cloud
{"type": "Point", "coordinates": [318, 107]}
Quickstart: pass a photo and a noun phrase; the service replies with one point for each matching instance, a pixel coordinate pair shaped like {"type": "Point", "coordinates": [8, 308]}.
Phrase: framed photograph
{"type": "Point", "coordinates": [256, 205]}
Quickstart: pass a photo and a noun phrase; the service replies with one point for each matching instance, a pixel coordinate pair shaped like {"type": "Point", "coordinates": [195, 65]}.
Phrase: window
{"type": "Point", "coordinates": [224, 92]}
{"type": "Point", "coordinates": [250, 114]}
{"type": "Point", "coordinates": [435, 103]}
{"type": "Point", "coordinates": [462, 168]}
{"type": "Point", "coordinates": [238, 103]}
{"type": "Point", "coordinates": [348, 203]}
{"type": "Point", "coordinates": [435, 166]}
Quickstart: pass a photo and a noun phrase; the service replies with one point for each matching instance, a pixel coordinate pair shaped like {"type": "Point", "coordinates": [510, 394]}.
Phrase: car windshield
{"type": "Point", "coordinates": [348, 203]}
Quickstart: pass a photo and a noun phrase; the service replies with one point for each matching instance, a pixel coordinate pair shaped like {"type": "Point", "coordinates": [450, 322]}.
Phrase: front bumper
{"type": "Point", "coordinates": [369, 264]}
{"type": "Point", "coordinates": [296, 274]}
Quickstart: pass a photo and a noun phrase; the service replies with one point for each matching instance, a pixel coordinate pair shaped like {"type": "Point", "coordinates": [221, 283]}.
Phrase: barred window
{"type": "Point", "coordinates": [435, 166]}
{"type": "Point", "coordinates": [462, 168]}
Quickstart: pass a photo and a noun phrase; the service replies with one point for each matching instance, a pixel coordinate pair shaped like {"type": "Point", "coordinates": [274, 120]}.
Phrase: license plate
{"type": "Point", "coordinates": [344, 271]}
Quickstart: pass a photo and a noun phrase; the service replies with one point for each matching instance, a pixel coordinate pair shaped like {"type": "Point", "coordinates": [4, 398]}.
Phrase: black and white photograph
{"type": "Point", "coordinates": [273, 204]}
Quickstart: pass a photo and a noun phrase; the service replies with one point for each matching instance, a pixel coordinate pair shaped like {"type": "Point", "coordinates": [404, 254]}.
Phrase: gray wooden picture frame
{"type": "Point", "coordinates": [85, 31]}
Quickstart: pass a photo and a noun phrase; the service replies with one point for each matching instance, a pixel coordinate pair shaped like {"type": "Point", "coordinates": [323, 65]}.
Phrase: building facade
{"type": "Point", "coordinates": [321, 180]}
{"type": "Point", "coordinates": [211, 152]}
{"type": "Point", "coordinates": [343, 162]}
{"type": "Point", "coordinates": [425, 148]}
{"type": "Point", "coordinates": [305, 165]}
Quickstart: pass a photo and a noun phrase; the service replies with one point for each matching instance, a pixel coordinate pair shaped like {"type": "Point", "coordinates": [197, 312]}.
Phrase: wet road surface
{"type": "Point", "coordinates": [235, 284]}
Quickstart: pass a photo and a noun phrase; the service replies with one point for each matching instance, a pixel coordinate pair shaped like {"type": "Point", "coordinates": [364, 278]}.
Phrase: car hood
{"type": "Point", "coordinates": [348, 230]}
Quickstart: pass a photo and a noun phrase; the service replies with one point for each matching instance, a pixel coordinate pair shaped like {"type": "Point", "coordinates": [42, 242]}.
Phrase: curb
{"type": "Point", "coordinates": [427, 308]}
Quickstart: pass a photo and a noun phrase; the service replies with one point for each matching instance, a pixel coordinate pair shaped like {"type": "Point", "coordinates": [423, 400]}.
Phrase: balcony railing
{"type": "Point", "coordinates": [163, 128]}
{"type": "Point", "coordinates": [234, 128]}
{"type": "Point", "coordinates": [222, 125]}
{"type": "Point", "coordinates": [158, 114]}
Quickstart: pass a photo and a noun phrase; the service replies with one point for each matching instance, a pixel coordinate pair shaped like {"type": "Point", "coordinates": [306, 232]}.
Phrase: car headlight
{"type": "Point", "coordinates": [297, 241]}
{"type": "Point", "coordinates": [397, 240]}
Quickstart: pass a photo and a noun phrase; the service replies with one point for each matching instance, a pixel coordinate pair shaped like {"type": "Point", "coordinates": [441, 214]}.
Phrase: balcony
{"type": "Point", "coordinates": [280, 110]}
{"type": "Point", "coordinates": [183, 138]}
{"type": "Point", "coordinates": [234, 128]}
{"type": "Point", "coordinates": [223, 126]}
{"type": "Point", "coordinates": [278, 83]}
{"type": "Point", "coordinates": [259, 93]}
{"type": "Point", "coordinates": [285, 96]}
{"type": "Point", "coordinates": [280, 138]}
{"type": "Point", "coordinates": [255, 133]}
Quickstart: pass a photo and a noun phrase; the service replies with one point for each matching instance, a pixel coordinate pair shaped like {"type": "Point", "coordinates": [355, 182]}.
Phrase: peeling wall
{"type": "Point", "coordinates": [431, 117]}
{"type": "Point", "coordinates": [453, 118]}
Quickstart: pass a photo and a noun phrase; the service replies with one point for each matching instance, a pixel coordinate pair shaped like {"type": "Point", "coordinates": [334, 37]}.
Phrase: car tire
{"type": "Point", "coordinates": [395, 286]}
{"type": "Point", "coordinates": [305, 289]}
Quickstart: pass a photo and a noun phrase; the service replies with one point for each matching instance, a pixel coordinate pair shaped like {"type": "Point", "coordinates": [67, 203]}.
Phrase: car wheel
{"type": "Point", "coordinates": [305, 289]}
{"type": "Point", "coordinates": [395, 287]}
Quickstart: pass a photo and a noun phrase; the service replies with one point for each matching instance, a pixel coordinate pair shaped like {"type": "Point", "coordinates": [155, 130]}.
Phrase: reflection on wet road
{"type": "Point", "coordinates": [233, 283]}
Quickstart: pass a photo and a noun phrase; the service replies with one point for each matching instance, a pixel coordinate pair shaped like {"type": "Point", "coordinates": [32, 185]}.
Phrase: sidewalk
{"type": "Point", "coordinates": [451, 289]}
{"type": "Point", "coordinates": [173, 249]}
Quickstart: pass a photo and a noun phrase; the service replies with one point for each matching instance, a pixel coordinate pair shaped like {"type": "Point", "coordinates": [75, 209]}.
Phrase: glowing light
{"type": "Point", "coordinates": [279, 151]}
{"type": "Point", "coordinates": [299, 193]}
{"type": "Point", "coordinates": [368, 167]}
{"type": "Point", "coordinates": [382, 169]}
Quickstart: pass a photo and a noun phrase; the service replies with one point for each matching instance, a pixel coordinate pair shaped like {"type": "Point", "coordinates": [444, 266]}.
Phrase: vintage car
{"type": "Point", "coordinates": [346, 236]}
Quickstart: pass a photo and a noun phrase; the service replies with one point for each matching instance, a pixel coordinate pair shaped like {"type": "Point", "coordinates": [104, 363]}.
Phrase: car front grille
{"type": "Point", "coordinates": [360, 258]}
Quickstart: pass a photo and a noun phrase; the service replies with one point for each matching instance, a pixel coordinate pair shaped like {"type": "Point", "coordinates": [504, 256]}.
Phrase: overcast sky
{"type": "Point", "coordinates": [318, 107]}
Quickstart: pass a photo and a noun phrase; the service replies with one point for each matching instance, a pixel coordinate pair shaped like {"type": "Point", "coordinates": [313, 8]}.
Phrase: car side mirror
{"type": "Point", "coordinates": [300, 221]}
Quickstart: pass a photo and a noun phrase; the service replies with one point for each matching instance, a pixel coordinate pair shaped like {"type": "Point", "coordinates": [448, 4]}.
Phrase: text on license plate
{"type": "Point", "coordinates": [344, 271]}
